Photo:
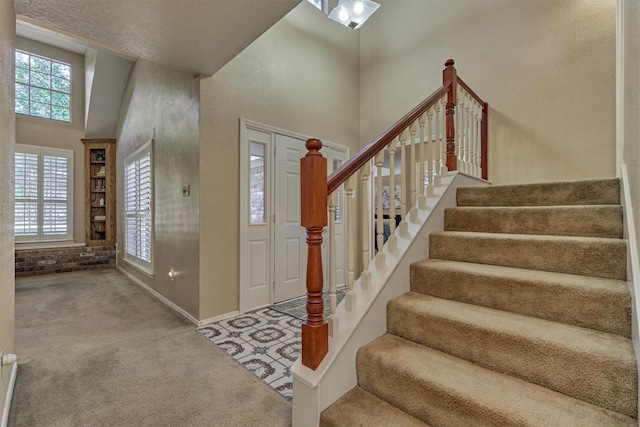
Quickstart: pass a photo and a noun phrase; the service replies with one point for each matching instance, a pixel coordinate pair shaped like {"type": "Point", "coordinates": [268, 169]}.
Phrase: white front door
{"type": "Point", "coordinates": [290, 248]}
{"type": "Point", "coordinates": [272, 241]}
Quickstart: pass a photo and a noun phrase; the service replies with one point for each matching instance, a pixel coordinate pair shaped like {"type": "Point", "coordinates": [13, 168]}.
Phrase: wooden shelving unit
{"type": "Point", "coordinates": [100, 191]}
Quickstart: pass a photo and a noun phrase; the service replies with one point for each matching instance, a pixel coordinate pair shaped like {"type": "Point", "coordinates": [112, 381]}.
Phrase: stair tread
{"type": "Point", "coordinates": [585, 301]}
{"type": "Point", "coordinates": [544, 332]}
{"type": "Point", "coordinates": [476, 395]}
{"type": "Point", "coordinates": [589, 256]}
{"type": "Point", "coordinates": [358, 407]}
{"type": "Point", "coordinates": [590, 192]}
{"type": "Point", "coordinates": [583, 283]}
{"type": "Point", "coordinates": [543, 352]}
{"type": "Point", "coordinates": [585, 220]}
{"type": "Point", "coordinates": [540, 208]}
{"type": "Point", "coordinates": [538, 237]}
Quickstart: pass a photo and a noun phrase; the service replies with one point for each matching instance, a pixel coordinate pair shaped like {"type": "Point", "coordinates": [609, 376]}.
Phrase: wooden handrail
{"type": "Point", "coordinates": [470, 91]}
{"type": "Point", "coordinates": [339, 176]}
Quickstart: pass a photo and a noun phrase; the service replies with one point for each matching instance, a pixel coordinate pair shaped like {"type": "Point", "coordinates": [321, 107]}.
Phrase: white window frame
{"type": "Point", "coordinates": [135, 259]}
{"type": "Point", "coordinates": [41, 152]}
{"type": "Point", "coordinates": [33, 86]}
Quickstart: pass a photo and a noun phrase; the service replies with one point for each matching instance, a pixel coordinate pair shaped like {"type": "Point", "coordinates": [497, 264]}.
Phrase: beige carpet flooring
{"type": "Point", "coordinates": [96, 350]}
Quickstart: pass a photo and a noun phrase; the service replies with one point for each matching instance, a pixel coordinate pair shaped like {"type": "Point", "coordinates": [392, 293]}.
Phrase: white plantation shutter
{"type": "Point", "coordinates": [43, 197]}
{"type": "Point", "coordinates": [26, 194]}
{"type": "Point", "coordinates": [138, 207]}
{"type": "Point", "coordinates": [55, 185]}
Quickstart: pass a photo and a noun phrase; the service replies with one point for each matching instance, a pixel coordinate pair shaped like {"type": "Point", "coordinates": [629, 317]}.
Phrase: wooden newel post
{"type": "Point", "coordinates": [449, 76]}
{"type": "Point", "coordinates": [313, 189]}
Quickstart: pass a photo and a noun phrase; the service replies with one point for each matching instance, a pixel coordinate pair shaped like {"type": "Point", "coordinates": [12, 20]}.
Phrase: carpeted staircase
{"type": "Point", "coordinates": [521, 316]}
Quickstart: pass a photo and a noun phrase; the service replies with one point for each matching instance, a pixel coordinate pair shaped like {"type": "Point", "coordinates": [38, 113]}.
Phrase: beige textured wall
{"type": "Point", "coordinates": [7, 139]}
{"type": "Point", "coordinates": [162, 104]}
{"type": "Point", "coordinates": [301, 75]}
{"type": "Point", "coordinates": [546, 67]}
{"type": "Point", "coordinates": [632, 104]}
{"type": "Point", "coordinates": [56, 134]}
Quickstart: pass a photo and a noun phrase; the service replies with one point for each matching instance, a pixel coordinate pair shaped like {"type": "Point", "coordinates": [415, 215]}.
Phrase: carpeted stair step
{"type": "Point", "coordinates": [588, 256]}
{"type": "Point", "coordinates": [593, 366]}
{"type": "Point", "coordinates": [360, 408]}
{"type": "Point", "coordinates": [587, 221]}
{"type": "Point", "coordinates": [596, 192]}
{"type": "Point", "coordinates": [589, 302]}
{"type": "Point", "coordinates": [446, 391]}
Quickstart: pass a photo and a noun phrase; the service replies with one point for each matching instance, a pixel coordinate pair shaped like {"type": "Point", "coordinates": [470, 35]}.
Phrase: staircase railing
{"type": "Point", "coordinates": [455, 138]}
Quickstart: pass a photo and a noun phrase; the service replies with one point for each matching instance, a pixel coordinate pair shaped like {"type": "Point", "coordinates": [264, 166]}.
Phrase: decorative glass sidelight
{"type": "Point", "coordinates": [257, 184]}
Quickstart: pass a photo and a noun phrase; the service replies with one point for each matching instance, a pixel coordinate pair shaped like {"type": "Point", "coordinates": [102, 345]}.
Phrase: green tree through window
{"type": "Point", "coordinates": [43, 87]}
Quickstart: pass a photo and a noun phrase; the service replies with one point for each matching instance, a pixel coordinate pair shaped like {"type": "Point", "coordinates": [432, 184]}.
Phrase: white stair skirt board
{"type": "Point", "coordinates": [633, 264]}
{"type": "Point", "coordinates": [173, 306]}
{"type": "Point", "coordinates": [9, 392]}
{"type": "Point", "coordinates": [315, 390]}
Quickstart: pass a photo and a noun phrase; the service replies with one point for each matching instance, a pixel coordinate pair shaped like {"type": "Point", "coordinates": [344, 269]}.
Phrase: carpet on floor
{"type": "Point", "coordinates": [96, 350]}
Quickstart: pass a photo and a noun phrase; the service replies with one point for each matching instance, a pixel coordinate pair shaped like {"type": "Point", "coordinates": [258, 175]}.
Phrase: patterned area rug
{"type": "Point", "coordinates": [296, 307]}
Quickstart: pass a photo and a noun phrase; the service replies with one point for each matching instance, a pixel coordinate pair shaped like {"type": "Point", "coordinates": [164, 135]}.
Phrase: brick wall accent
{"type": "Point", "coordinates": [30, 262]}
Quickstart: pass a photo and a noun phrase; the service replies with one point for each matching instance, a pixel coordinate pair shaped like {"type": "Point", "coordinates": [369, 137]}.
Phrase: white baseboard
{"type": "Point", "coordinates": [7, 401]}
{"type": "Point", "coordinates": [174, 307]}
{"type": "Point", "coordinates": [215, 319]}
{"type": "Point", "coordinates": [158, 296]}
{"type": "Point", "coordinates": [633, 263]}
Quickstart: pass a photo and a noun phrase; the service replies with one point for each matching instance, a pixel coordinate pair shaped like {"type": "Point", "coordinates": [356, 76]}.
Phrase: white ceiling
{"type": "Point", "coordinates": [195, 36]}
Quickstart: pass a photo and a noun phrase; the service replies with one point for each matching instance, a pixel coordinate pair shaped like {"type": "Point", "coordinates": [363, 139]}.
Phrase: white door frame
{"type": "Point", "coordinates": [245, 126]}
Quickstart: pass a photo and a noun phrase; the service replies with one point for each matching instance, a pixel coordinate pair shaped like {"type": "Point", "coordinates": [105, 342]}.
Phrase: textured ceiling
{"type": "Point", "coordinates": [196, 36]}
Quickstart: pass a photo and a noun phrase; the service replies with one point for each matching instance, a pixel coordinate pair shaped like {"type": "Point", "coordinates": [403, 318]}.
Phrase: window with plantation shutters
{"type": "Point", "coordinates": [138, 208]}
{"type": "Point", "coordinates": [43, 194]}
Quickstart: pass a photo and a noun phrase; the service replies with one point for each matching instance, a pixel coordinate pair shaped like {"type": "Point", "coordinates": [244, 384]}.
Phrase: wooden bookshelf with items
{"type": "Point", "coordinates": [100, 191]}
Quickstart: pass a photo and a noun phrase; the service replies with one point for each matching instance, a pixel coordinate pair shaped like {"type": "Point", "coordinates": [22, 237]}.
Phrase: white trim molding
{"type": "Point", "coordinates": [158, 296]}
{"type": "Point", "coordinates": [173, 306]}
{"type": "Point", "coordinates": [205, 322]}
{"type": "Point", "coordinates": [620, 85]}
{"type": "Point", "coordinates": [7, 402]}
{"type": "Point", "coordinates": [44, 245]}
{"type": "Point", "coordinates": [633, 263]}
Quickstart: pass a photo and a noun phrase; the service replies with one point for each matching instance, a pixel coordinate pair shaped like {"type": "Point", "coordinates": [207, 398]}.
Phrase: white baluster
{"type": "Point", "coordinates": [404, 229]}
{"type": "Point", "coordinates": [472, 135]}
{"type": "Point", "coordinates": [413, 212]}
{"type": "Point", "coordinates": [379, 212]}
{"type": "Point", "coordinates": [468, 155]}
{"type": "Point", "coordinates": [392, 243]}
{"type": "Point", "coordinates": [333, 319]}
{"type": "Point", "coordinates": [443, 138]}
{"type": "Point", "coordinates": [365, 278]}
{"type": "Point", "coordinates": [431, 147]}
{"type": "Point", "coordinates": [460, 145]}
{"type": "Point", "coordinates": [350, 191]}
{"type": "Point", "coordinates": [422, 198]}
